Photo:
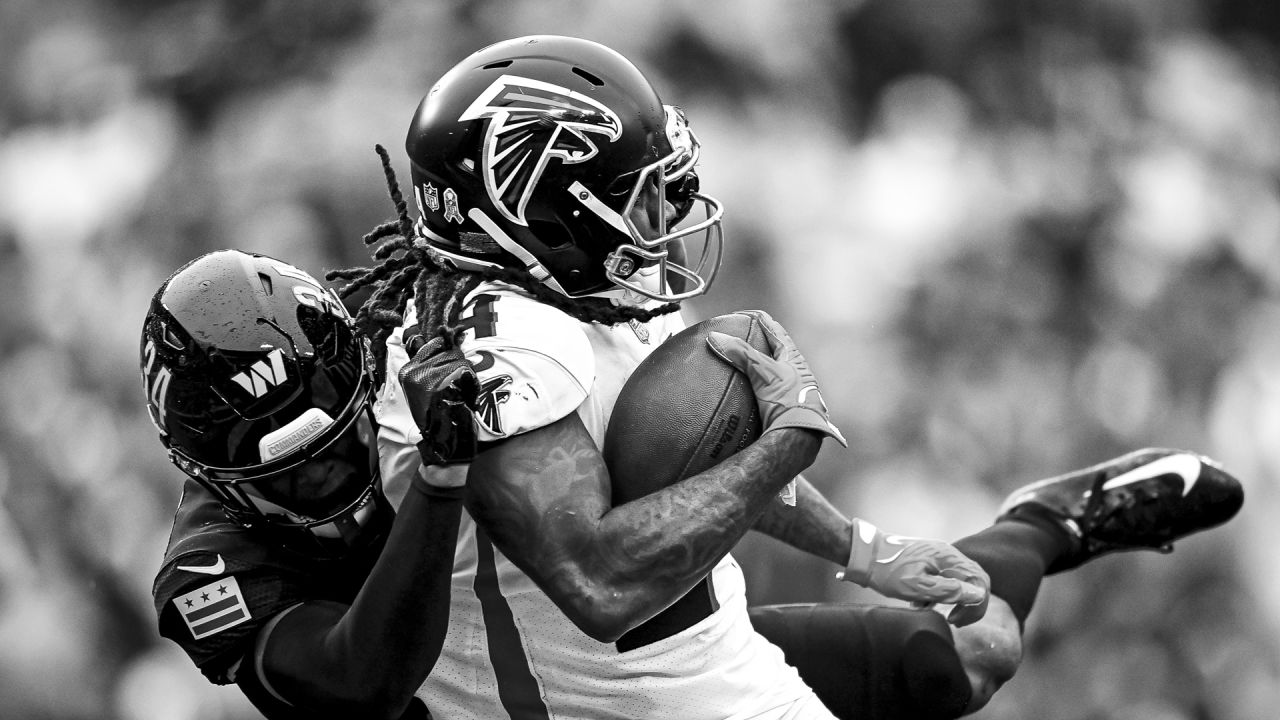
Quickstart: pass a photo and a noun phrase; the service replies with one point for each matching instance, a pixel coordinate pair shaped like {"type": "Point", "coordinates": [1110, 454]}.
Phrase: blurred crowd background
{"type": "Point", "coordinates": [1014, 237]}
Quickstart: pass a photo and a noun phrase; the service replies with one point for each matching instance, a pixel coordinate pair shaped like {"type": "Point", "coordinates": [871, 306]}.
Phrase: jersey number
{"type": "Point", "coordinates": [483, 318]}
{"type": "Point", "coordinates": [157, 384]}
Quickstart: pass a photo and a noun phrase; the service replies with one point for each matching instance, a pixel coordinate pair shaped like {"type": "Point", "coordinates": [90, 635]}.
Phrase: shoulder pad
{"type": "Point", "coordinates": [535, 364]}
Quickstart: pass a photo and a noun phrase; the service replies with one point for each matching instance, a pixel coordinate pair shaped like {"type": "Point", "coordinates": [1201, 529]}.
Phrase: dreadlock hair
{"type": "Point", "coordinates": [410, 269]}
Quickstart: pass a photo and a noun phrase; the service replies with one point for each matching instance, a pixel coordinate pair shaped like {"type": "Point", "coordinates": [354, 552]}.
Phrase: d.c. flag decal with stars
{"type": "Point", "coordinates": [213, 608]}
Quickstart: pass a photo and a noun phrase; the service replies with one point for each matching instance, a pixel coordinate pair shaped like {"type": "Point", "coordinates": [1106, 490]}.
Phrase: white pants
{"type": "Point", "coordinates": [808, 707]}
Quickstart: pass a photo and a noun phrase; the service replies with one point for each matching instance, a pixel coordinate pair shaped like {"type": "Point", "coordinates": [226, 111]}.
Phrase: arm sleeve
{"type": "Point", "coordinates": [368, 658]}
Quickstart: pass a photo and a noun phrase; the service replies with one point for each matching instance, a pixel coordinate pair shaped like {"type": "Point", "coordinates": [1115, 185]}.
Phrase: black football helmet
{"type": "Point", "coordinates": [262, 391]}
{"type": "Point", "coordinates": [532, 154]}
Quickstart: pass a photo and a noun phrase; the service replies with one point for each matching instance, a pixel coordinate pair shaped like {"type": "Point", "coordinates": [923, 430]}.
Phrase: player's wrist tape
{"type": "Point", "coordinates": [444, 493]}
{"type": "Point", "coordinates": [809, 419]}
{"type": "Point", "coordinates": [442, 480]}
{"type": "Point", "coordinates": [439, 491]}
{"type": "Point", "coordinates": [866, 543]}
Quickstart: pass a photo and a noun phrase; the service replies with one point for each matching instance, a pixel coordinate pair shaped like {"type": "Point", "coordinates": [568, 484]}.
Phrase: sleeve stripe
{"type": "Point", "coordinates": [517, 688]}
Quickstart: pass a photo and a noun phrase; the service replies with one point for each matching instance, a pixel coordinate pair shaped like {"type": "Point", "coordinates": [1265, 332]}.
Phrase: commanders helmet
{"type": "Point", "coordinates": [261, 388]}
{"type": "Point", "coordinates": [532, 153]}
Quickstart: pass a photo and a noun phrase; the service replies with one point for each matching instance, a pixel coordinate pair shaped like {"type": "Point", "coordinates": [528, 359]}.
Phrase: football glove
{"type": "Point", "coordinates": [923, 571]}
{"type": "Point", "coordinates": [786, 390]}
{"type": "Point", "coordinates": [440, 387]}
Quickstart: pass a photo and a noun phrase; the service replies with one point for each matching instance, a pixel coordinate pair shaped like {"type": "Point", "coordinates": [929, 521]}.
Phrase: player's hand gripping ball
{"type": "Point", "coordinates": [687, 406]}
{"type": "Point", "coordinates": [786, 391]}
{"type": "Point", "coordinates": [683, 410]}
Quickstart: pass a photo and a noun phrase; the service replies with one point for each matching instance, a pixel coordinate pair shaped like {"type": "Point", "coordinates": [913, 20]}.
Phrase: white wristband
{"type": "Point", "coordinates": [866, 537]}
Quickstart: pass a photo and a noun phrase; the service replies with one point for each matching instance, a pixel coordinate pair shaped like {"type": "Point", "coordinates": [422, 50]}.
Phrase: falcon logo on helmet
{"type": "Point", "coordinates": [530, 122]}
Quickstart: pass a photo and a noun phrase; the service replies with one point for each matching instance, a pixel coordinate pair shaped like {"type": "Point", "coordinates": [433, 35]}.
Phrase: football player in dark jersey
{"type": "Point", "coordinates": [554, 190]}
{"type": "Point", "coordinates": [287, 572]}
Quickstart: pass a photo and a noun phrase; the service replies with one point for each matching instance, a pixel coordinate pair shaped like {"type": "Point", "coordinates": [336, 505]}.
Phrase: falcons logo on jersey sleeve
{"type": "Point", "coordinates": [530, 122]}
{"type": "Point", "coordinates": [493, 392]}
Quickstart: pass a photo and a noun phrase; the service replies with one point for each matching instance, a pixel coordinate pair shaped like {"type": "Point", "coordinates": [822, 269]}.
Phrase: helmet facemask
{"type": "Point", "coordinates": [653, 263]}
{"type": "Point", "coordinates": [319, 482]}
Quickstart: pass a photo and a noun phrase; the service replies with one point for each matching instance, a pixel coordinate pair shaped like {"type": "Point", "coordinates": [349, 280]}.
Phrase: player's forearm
{"type": "Point", "coordinates": [398, 620]}
{"type": "Point", "coordinates": [812, 525]}
{"type": "Point", "coordinates": [649, 552]}
{"type": "Point", "coordinates": [379, 651]}
{"type": "Point", "coordinates": [544, 499]}
{"type": "Point", "coordinates": [673, 537]}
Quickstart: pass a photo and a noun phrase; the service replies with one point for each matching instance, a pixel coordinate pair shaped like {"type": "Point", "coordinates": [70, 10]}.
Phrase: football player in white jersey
{"type": "Point", "coordinates": [556, 195]}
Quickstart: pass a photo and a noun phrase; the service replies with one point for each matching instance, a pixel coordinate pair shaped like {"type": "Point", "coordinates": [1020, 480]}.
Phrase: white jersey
{"type": "Point", "coordinates": [510, 652]}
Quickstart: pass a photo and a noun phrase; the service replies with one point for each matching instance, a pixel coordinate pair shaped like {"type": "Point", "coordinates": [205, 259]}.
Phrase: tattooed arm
{"type": "Point", "coordinates": [812, 525]}
{"type": "Point", "coordinates": [906, 568]}
{"type": "Point", "coordinates": [544, 499]}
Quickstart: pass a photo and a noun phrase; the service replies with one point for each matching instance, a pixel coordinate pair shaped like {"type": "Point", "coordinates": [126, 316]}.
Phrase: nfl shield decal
{"type": "Point", "coordinates": [213, 608]}
{"type": "Point", "coordinates": [431, 197]}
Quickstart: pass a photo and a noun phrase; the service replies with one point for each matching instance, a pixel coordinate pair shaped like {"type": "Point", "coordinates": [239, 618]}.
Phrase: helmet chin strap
{"type": "Point", "coordinates": [341, 527]}
{"type": "Point", "coordinates": [347, 527]}
{"type": "Point", "coordinates": [625, 297]}
{"type": "Point", "coordinates": [535, 268]}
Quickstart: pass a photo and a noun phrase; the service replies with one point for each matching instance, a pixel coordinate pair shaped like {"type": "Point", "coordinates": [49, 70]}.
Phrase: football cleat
{"type": "Point", "coordinates": [1141, 501]}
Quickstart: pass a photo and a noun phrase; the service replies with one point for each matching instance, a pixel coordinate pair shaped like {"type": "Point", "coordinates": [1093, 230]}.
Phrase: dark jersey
{"type": "Point", "coordinates": [220, 583]}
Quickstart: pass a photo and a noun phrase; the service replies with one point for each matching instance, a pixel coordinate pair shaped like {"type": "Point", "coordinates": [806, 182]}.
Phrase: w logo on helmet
{"type": "Point", "coordinates": [261, 377]}
{"type": "Point", "coordinates": [530, 122]}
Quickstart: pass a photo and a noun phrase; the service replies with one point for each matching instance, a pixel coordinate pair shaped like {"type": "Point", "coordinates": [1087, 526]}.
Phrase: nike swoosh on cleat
{"type": "Point", "coordinates": [215, 569]}
{"type": "Point", "coordinates": [1184, 466]}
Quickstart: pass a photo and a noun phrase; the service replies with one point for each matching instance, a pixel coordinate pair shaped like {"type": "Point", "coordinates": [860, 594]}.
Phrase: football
{"type": "Point", "coordinates": [682, 411]}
